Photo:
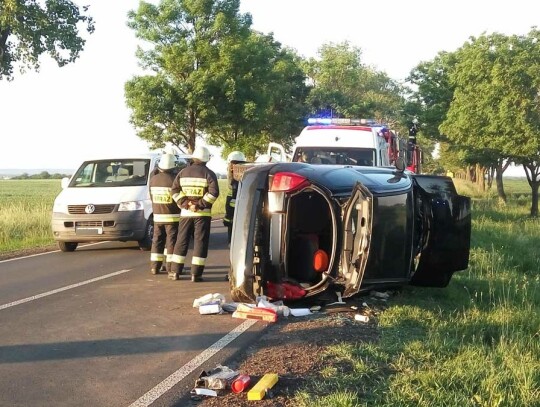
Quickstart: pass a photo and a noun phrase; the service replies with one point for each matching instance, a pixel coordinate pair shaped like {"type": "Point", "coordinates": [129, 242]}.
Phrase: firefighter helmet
{"type": "Point", "coordinates": [201, 153]}
{"type": "Point", "coordinates": [236, 156]}
{"type": "Point", "coordinates": [166, 162]}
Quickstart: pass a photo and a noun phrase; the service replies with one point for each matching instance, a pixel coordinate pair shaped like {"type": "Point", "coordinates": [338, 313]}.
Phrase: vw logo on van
{"type": "Point", "coordinates": [90, 208]}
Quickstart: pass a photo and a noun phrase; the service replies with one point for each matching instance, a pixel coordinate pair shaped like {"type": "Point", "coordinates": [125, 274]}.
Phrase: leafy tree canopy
{"type": "Point", "coordinates": [343, 85]}
{"type": "Point", "coordinates": [496, 105]}
{"type": "Point", "coordinates": [29, 28]}
{"type": "Point", "coordinates": [211, 77]}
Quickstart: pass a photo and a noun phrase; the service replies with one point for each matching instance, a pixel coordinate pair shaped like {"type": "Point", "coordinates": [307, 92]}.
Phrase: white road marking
{"type": "Point", "coordinates": [41, 254]}
{"type": "Point", "coordinates": [167, 384]}
{"type": "Point", "coordinates": [59, 290]}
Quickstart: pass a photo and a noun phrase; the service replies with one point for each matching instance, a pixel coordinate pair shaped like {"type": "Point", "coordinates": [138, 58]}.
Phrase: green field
{"type": "Point", "coordinates": [26, 209]}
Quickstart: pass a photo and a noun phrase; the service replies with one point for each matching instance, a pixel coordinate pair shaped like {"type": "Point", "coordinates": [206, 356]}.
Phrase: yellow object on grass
{"type": "Point", "coordinates": [258, 391]}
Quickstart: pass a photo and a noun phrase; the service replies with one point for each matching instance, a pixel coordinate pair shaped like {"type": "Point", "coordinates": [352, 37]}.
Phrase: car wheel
{"type": "Point", "coordinates": [67, 246]}
{"type": "Point", "coordinates": [145, 243]}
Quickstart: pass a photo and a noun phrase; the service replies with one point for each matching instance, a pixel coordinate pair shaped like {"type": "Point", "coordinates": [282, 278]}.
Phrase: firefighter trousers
{"type": "Point", "coordinates": [199, 228]}
{"type": "Point", "coordinates": [229, 215]}
{"type": "Point", "coordinates": [164, 238]}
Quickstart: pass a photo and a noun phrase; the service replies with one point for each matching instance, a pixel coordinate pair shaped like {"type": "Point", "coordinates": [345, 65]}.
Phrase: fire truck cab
{"type": "Point", "coordinates": [338, 141]}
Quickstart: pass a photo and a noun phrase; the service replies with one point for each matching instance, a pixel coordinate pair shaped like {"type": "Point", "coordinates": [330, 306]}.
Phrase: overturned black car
{"type": "Point", "coordinates": [299, 228]}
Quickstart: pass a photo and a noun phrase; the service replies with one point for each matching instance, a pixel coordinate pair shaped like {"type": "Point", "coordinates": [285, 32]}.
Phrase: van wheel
{"type": "Point", "coordinates": [67, 246]}
{"type": "Point", "coordinates": [145, 243]}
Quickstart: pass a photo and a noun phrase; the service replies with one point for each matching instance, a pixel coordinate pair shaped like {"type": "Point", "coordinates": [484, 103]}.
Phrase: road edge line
{"type": "Point", "coordinates": [152, 395]}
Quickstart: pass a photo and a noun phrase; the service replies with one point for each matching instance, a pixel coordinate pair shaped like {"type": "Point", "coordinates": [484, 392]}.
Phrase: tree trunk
{"type": "Point", "coordinates": [466, 174]}
{"type": "Point", "coordinates": [532, 170]}
{"type": "Point", "coordinates": [534, 200]}
{"type": "Point", "coordinates": [480, 176]}
{"type": "Point", "coordinates": [192, 131]}
{"type": "Point", "coordinates": [491, 175]}
{"type": "Point", "coordinates": [500, 186]}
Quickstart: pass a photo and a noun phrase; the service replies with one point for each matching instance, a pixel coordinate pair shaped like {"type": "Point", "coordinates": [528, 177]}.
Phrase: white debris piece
{"type": "Point", "coordinates": [208, 298]}
{"type": "Point", "coordinates": [361, 318]}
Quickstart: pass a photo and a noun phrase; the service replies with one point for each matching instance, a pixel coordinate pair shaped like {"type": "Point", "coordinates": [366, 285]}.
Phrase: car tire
{"type": "Point", "coordinates": [67, 246]}
{"type": "Point", "coordinates": [145, 244]}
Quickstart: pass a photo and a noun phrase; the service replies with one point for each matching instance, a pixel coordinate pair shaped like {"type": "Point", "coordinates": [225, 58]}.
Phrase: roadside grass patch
{"type": "Point", "coordinates": [474, 343]}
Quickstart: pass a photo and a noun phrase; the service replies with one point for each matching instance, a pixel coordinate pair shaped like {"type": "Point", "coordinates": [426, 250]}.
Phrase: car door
{"type": "Point", "coordinates": [357, 229]}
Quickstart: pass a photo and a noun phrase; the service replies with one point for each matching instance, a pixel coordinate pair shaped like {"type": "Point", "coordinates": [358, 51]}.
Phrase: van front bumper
{"type": "Point", "coordinates": [121, 226]}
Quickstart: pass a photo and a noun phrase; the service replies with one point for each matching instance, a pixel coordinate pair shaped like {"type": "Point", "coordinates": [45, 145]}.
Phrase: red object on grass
{"type": "Point", "coordinates": [241, 383]}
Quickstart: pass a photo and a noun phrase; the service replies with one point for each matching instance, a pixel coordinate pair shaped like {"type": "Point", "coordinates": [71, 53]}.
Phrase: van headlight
{"type": "Point", "coordinates": [130, 206]}
{"type": "Point", "coordinates": [60, 207]}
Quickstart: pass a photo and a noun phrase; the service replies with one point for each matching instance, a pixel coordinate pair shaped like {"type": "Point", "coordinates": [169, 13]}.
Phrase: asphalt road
{"type": "Point", "coordinates": [95, 328]}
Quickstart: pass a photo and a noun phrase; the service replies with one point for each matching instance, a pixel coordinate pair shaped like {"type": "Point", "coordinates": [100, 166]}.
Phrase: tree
{"type": "Point", "coordinates": [430, 102]}
{"type": "Point", "coordinates": [260, 98]}
{"type": "Point", "coordinates": [29, 28]}
{"type": "Point", "coordinates": [496, 104]}
{"type": "Point", "coordinates": [343, 86]}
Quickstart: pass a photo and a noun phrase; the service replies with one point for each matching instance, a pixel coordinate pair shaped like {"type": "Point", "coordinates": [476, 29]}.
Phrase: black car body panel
{"type": "Point", "coordinates": [375, 226]}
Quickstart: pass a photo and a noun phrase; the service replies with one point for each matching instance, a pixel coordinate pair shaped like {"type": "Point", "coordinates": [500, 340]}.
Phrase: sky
{"type": "Point", "coordinates": [55, 118]}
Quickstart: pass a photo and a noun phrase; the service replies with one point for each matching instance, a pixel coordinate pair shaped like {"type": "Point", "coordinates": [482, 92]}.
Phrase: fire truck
{"type": "Point", "coordinates": [342, 141]}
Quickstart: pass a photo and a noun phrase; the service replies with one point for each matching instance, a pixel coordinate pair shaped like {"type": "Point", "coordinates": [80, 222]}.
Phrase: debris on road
{"type": "Point", "coordinates": [219, 378]}
{"type": "Point", "coordinates": [241, 383]}
{"type": "Point", "coordinates": [261, 388]}
{"type": "Point", "coordinates": [245, 311]}
{"type": "Point", "coordinates": [209, 298]}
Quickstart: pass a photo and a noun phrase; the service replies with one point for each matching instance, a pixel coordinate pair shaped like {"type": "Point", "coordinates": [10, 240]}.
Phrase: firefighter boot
{"type": "Point", "coordinates": [196, 273]}
{"type": "Point", "coordinates": [175, 271]}
{"type": "Point", "coordinates": [156, 267]}
{"type": "Point", "coordinates": [164, 265]}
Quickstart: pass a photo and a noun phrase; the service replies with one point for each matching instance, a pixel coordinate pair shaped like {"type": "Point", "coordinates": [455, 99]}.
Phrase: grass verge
{"type": "Point", "coordinates": [473, 343]}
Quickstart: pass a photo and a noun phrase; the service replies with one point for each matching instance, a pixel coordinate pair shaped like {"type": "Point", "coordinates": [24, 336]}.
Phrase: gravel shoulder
{"type": "Point", "coordinates": [294, 348]}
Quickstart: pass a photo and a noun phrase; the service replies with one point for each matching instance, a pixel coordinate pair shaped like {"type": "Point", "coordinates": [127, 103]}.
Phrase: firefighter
{"type": "Point", "coordinates": [236, 157]}
{"type": "Point", "coordinates": [166, 214]}
{"type": "Point", "coordinates": [195, 189]}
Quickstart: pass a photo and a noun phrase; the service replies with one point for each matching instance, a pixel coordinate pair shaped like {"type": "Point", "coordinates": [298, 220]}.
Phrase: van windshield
{"type": "Point", "coordinates": [112, 173]}
{"type": "Point", "coordinates": [335, 156]}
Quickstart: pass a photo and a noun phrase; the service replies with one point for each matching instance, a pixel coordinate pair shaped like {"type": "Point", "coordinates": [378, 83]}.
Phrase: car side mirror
{"type": "Point", "coordinates": [64, 182]}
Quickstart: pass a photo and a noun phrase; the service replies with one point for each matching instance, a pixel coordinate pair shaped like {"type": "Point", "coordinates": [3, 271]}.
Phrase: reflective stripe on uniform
{"type": "Point", "coordinates": [198, 261]}
{"type": "Point", "coordinates": [194, 187]}
{"type": "Point", "coordinates": [169, 258]}
{"type": "Point", "coordinates": [175, 258]}
{"type": "Point", "coordinates": [232, 203]}
{"type": "Point", "coordinates": [157, 257]}
{"type": "Point", "coordinates": [161, 195]}
{"type": "Point", "coordinates": [209, 198]}
{"type": "Point", "coordinates": [166, 217]}
{"type": "Point", "coordinates": [178, 196]}
{"type": "Point", "coordinates": [186, 213]}
{"type": "Point", "coordinates": [196, 182]}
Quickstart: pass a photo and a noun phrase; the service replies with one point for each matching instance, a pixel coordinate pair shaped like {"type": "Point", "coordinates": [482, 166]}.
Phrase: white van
{"type": "Point", "coordinates": [107, 199]}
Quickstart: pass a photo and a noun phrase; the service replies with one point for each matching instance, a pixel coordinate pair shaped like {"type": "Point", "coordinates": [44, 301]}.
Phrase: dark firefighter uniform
{"type": "Point", "coordinates": [166, 218]}
{"type": "Point", "coordinates": [195, 190]}
{"type": "Point", "coordinates": [234, 158]}
{"type": "Point", "coordinates": [230, 204]}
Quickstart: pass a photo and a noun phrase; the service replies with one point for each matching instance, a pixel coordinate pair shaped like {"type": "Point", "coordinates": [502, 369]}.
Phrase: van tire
{"type": "Point", "coordinates": [145, 244]}
{"type": "Point", "coordinates": [67, 246]}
